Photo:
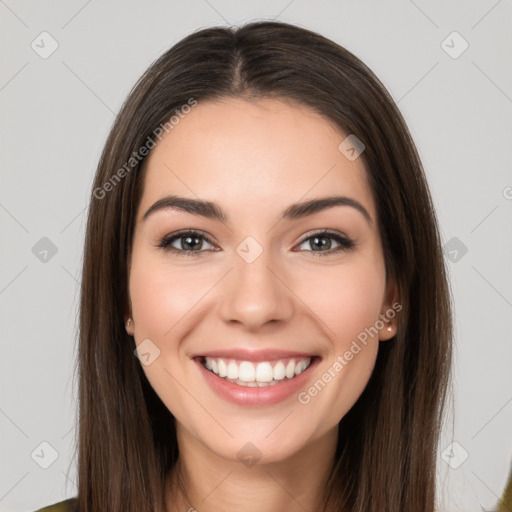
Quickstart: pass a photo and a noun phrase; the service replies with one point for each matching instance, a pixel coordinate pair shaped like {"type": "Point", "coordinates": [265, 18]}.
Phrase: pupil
{"type": "Point", "coordinates": [326, 242]}
{"type": "Point", "coordinates": [186, 241]}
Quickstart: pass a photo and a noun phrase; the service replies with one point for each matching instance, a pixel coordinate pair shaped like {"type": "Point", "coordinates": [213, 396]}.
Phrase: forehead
{"type": "Point", "coordinates": [258, 154]}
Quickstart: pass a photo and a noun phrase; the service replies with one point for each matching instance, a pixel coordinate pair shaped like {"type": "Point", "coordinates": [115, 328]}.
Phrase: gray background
{"type": "Point", "coordinates": [56, 113]}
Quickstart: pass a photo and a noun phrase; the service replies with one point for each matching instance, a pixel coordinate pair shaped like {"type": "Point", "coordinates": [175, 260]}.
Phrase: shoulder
{"type": "Point", "coordinates": [69, 505]}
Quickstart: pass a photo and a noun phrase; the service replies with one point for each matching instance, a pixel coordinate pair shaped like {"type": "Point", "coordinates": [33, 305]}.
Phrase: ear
{"type": "Point", "coordinates": [128, 315]}
{"type": "Point", "coordinates": [129, 325]}
{"type": "Point", "coordinates": [389, 311]}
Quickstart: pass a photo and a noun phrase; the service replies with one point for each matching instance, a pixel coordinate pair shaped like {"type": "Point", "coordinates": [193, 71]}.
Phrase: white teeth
{"type": "Point", "coordinates": [223, 369]}
{"type": "Point", "coordinates": [290, 369]}
{"type": "Point", "coordinates": [264, 372]}
{"type": "Point", "coordinates": [301, 367]}
{"type": "Point", "coordinates": [246, 373]}
{"type": "Point", "coordinates": [232, 370]}
{"type": "Point", "coordinates": [255, 384]}
{"type": "Point", "coordinates": [279, 371]}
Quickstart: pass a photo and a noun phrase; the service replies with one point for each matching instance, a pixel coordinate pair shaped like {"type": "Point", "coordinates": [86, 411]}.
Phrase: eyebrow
{"type": "Point", "coordinates": [213, 211]}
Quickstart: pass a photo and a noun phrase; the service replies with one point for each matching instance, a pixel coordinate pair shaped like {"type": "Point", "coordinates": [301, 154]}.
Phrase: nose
{"type": "Point", "coordinates": [256, 293]}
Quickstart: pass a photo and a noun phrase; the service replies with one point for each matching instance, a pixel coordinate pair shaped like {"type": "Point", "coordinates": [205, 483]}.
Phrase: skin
{"type": "Point", "coordinates": [254, 159]}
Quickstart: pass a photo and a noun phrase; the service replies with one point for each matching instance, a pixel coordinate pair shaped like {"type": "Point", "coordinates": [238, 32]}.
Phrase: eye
{"type": "Point", "coordinates": [188, 243]}
{"type": "Point", "coordinates": [322, 240]}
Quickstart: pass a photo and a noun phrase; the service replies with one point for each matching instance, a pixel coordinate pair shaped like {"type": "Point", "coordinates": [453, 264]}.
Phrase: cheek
{"type": "Point", "coordinates": [346, 300]}
{"type": "Point", "coordinates": [160, 298]}
{"type": "Point", "coordinates": [161, 295]}
{"type": "Point", "coordinates": [358, 304]}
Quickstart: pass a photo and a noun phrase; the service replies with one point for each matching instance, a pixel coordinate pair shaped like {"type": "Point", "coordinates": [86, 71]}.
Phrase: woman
{"type": "Point", "coordinates": [265, 316]}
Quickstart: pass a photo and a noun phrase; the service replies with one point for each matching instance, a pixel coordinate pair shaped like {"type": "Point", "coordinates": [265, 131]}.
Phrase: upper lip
{"type": "Point", "coordinates": [254, 355]}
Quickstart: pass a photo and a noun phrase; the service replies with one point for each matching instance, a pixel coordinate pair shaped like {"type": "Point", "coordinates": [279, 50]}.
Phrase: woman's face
{"type": "Point", "coordinates": [259, 295]}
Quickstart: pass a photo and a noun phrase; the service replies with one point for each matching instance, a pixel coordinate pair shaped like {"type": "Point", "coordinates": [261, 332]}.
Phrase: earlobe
{"type": "Point", "coordinates": [129, 325]}
{"type": "Point", "coordinates": [387, 332]}
{"type": "Point", "coordinates": [389, 312]}
{"type": "Point", "coordinates": [128, 322]}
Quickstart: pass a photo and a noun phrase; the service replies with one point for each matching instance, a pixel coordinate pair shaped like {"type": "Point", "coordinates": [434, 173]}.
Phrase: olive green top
{"type": "Point", "coordinates": [68, 505]}
{"type": "Point", "coordinates": [505, 504]}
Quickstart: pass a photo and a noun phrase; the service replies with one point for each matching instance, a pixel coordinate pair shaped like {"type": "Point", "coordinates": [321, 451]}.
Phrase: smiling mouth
{"type": "Point", "coordinates": [256, 374]}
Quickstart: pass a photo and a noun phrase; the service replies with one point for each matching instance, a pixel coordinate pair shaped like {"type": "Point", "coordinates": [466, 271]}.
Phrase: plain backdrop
{"type": "Point", "coordinates": [447, 64]}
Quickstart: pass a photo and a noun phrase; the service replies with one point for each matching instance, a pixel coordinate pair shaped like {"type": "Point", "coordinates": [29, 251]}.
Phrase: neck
{"type": "Point", "coordinates": [214, 484]}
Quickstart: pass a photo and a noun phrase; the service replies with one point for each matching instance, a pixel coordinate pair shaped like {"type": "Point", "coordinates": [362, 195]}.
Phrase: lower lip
{"type": "Point", "coordinates": [256, 396]}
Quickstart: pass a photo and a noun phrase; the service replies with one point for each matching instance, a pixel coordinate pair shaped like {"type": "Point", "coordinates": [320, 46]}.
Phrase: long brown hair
{"type": "Point", "coordinates": [387, 445]}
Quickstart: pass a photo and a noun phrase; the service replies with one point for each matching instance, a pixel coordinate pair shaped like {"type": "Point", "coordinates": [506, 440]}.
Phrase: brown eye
{"type": "Point", "coordinates": [321, 243]}
{"type": "Point", "coordinates": [184, 242]}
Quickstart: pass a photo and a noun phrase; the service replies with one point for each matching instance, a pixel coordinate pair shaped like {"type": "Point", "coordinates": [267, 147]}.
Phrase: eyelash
{"type": "Point", "coordinates": [346, 244]}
